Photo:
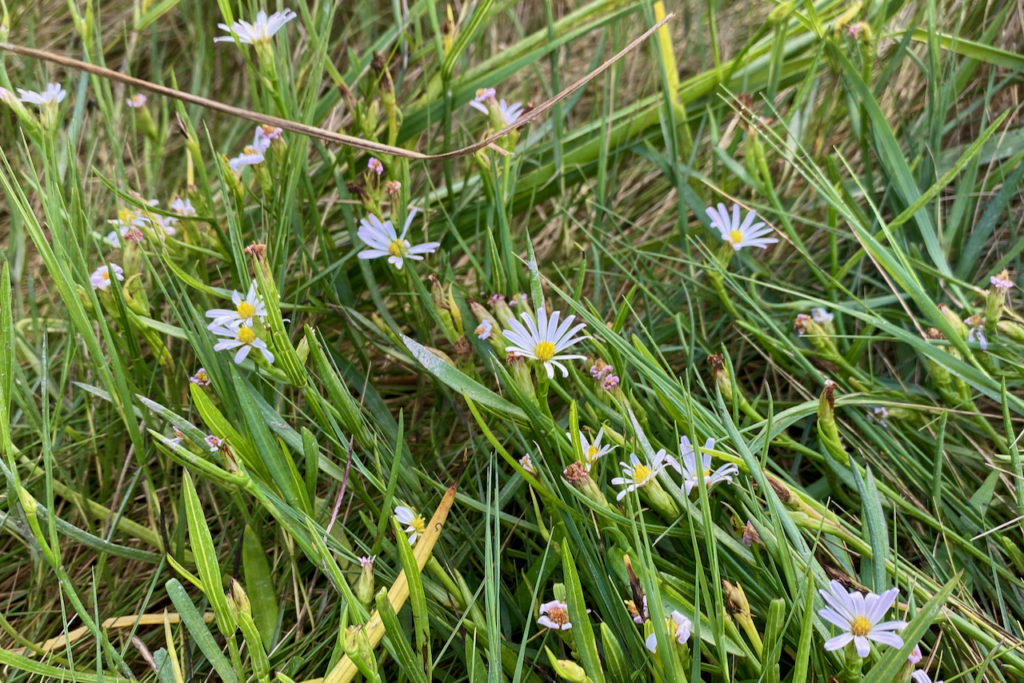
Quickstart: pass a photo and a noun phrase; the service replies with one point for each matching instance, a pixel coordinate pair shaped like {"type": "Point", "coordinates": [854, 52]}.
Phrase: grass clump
{"type": "Point", "coordinates": [710, 372]}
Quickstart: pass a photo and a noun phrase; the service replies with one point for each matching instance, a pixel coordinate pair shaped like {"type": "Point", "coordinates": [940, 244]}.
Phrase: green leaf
{"type": "Point", "coordinates": [470, 388]}
{"type": "Point", "coordinates": [260, 587]}
{"type": "Point", "coordinates": [196, 627]}
{"type": "Point", "coordinates": [206, 557]}
{"type": "Point", "coordinates": [582, 631]}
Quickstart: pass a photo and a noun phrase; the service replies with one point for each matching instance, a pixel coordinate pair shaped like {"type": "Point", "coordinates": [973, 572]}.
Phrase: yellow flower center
{"type": "Point", "coordinates": [707, 473]}
{"type": "Point", "coordinates": [860, 626]}
{"type": "Point", "coordinates": [250, 151]}
{"type": "Point", "coordinates": [201, 376]}
{"type": "Point", "coordinates": [558, 615]}
{"type": "Point", "coordinates": [735, 236]}
{"type": "Point", "coordinates": [396, 248]}
{"type": "Point", "coordinates": [544, 351]}
{"type": "Point", "coordinates": [641, 472]}
{"type": "Point", "coordinates": [245, 310]}
{"type": "Point", "coordinates": [591, 452]}
{"type": "Point", "coordinates": [246, 335]}
{"type": "Point", "coordinates": [127, 216]}
{"type": "Point", "coordinates": [105, 275]}
{"type": "Point", "coordinates": [418, 525]}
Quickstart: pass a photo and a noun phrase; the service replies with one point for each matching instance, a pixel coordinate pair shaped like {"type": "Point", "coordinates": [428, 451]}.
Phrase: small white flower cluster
{"type": "Point", "coordinates": [237, 326]}
{"type": "Point", "coordinates": [637, 473]}
{"type": "Point", "coordinates": [131, 223]}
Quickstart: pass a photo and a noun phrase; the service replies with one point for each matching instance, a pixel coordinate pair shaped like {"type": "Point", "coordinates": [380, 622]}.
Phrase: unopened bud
{"type": "Point", "coordinates": [239, 598]}
{"type": "Point", "coordinates": [954, 320]}
{"type": "Point", "coordinates": [364, 584]}
{"type": "Point", "coordinates": [567, 669]}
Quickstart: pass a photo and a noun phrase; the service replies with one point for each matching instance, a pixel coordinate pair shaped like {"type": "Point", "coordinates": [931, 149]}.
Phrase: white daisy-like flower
{"type": "Point", "coordinates": [544, 339]}
{"type": "Point", "coordinates": [136, 101]}
{"type": "Point", "coordinates": [100, 278]}
{"type": "Point", "coordinates": [555, 616]}
{"type": "Point", "coordinates": [246, 309]}
{"type": "Point", "coordinates": [637, 474]}
{"type": "Point", "coordinates": [260, 31]}
{"type": "Point", "coordinates": [820, 315]}
{"type": "Point", "coordinates": [976, 323]}
{"type": "Point", "coordinates": [739, 234]}
{"type": "Point", "coordinates": [592, 450]}
{"type": "Point", "coordinates": [677, 625]}
{"type": "Point", "coordinates": [510, 113]}
{"type": "Point", "coordinates": [921, 676]}
{"type": "Point", "coordinates": [484, 330]}
{"type": "Point", "coordinates": [242, 338]}
{"type": "Point", "coordinates": [250, 156]}
{"type": "Point", "coordinates": [265, 135]}
{"type": "Point", "coordinates": [53, 94]}
{"type": "Point", "coordinates": [859, 617]}
{"type": "Point", "coordinates": [711, 477]}
{"type": "Point", "coordinates": [183, 207]}
{"type": "Point", "coordinates": [415, 524]}
{"type": "Point", "coordinates": [382, 239]}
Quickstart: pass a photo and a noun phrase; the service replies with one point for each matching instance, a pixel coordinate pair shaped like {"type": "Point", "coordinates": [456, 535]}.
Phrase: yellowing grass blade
{"type": "Point", "coordinates": [345, 670]}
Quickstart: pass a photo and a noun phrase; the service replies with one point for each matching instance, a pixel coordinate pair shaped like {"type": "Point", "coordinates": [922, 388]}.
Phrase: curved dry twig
{"type": "Point", "coordinates": [322, 133]}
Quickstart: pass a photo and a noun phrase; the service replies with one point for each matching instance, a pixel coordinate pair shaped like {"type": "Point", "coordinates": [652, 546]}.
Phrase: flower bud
{"type": "Point", "coordinates": [828, 433]}
{"type": "Point", "coordinates": [364, 584]}
{"type": "Point", "coordinates": [567, 669]}
{"type": "Point", "coordinates": [239, 598]}
{"type": "Point", "coordinates": [577, 476]}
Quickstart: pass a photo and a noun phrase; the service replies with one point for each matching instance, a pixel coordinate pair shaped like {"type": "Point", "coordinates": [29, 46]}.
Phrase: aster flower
{"type": "Point", "coordinates": [242, 338]}
{"type": "Point", "coordinates": [677, 625]}
{"type": "Point", "coordinates": [510, 113]}
{"type": "Point", "coordinates": [260, 31]}
{"type": "Point", "coordinates": [415, 524]}
{"type": "Point", "coordinates": [246, 309]}
{"type": "Point", "coordinates": [213, 442]}
{"type": "Point", "coordinates": [921, 676]}
{"type": "Point", "coordinates": [915, 655]}
{"type": "Point", "coordinates": [527, 464]}
{"type": "Point", "coordinates": [976, 323]}
{"type": "Point", "coordinates": [739, 235]}
{"type": "Point", "coordinates": [1001, 281]}
{"type": "Point", "coordinates": [637, 474]}
{"type": "Point", "coordinates": [484, 330]}
{"type": "Point", "coordinates": [711, 477]}
{"type": "Point", "coordinates": [374, 166]}
{"type": "Point", "coordinates": [545, 339]}
{"type": "Point", "coordinates": [100, 278]}
{"type": "Point", "coordinates": [53, 94]}
{"type": "Point", "coordinates": [136, 101]}
{"type": "Point", "coordinates": [250, 156]}
{"type": "Point", "coordinates": [384, 241]}
{"type": "Point", "coordinates": [860, 618]}
{"type": "Point", "coordinates": [821, 316]}
{"type": "Point", "coordinates": [555, 616]}
{"type": "Point", "coordinates": [880, 413]}
{"type": "Point", "coordinates": [182, 207]}
{"type": "Point", "coordinates": [201, 378]}
{"type": "Point", "coordinates": [266, 134]}
{"type": "Point", "coordinates": [392, 187]}
{"type": "Point", "coordinates": [592, 450]}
